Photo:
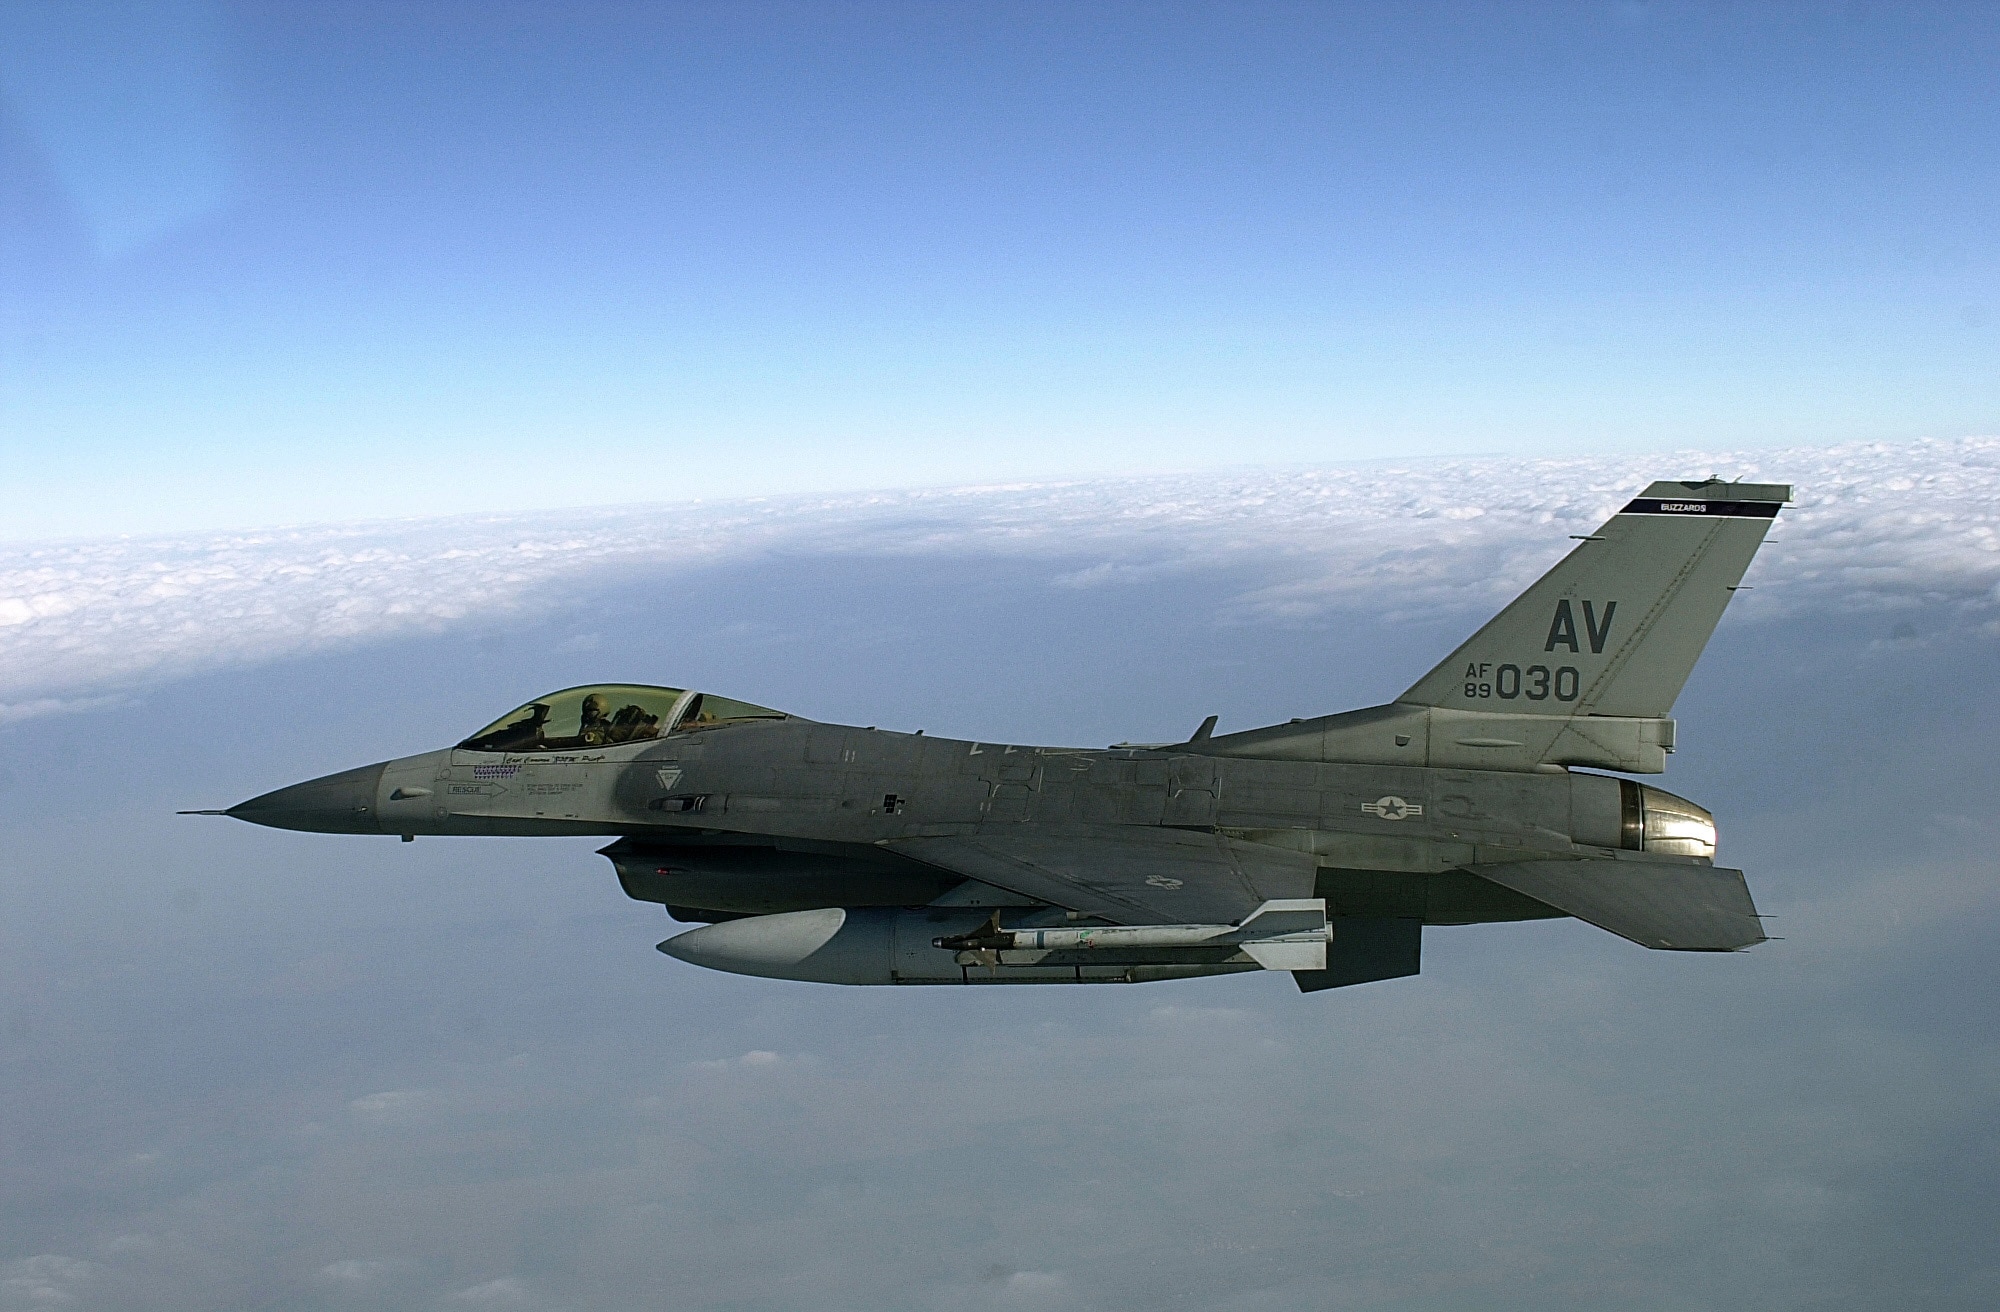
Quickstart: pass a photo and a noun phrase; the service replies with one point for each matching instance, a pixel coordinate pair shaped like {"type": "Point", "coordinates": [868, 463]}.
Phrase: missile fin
{"type": "Point", "coordinates": [1280, 916]}
{"type": "Point", "coordinates": [1288, 954]}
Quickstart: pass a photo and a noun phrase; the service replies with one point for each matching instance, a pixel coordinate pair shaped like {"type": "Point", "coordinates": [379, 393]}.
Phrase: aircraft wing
{"type": "Point", "coordinates": [1686, 908]}
{"type": "Point", "coordinates": [1126, 874]}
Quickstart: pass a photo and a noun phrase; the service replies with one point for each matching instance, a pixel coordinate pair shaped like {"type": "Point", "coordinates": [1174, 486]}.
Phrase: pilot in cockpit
{"type": "Point", "coordinates": [592, 718]}
{"type": "Point", "coordinates": [633, 723]}
{"type": "Point", "coordinates": [595, 727]}
{"type": "Point", "coordinates": [598, 727]}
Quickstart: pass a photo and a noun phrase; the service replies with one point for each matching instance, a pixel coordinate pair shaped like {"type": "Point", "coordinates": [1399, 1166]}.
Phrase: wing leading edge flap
{"type": "Point", "coordinates": [1657, 905]}
{"type": "Point", "coordinates": [1127, 874]}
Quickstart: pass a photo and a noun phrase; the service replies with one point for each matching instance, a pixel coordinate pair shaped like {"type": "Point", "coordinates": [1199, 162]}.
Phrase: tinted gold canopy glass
{"type": "Point", "coordinates": [606, 714]}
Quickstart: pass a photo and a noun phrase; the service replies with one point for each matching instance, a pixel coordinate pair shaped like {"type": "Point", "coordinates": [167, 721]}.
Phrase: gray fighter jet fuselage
{"type": "Point", "coordinates": [1323, 846]}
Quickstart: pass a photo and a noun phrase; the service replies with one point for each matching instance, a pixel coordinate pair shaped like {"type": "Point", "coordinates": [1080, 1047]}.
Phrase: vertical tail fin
{"type": "Point", "coordinates": [1616, 627]}
{"type": "Point", "coordinates": [1583, 667]}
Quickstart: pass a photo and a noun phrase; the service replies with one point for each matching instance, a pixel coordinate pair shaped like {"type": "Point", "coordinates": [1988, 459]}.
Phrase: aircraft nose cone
{"type": "Point", "coordinates": [341, 803]}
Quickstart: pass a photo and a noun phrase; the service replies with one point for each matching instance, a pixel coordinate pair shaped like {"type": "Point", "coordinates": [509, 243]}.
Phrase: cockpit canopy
{"type": "Point", "coordinates": [606, 714]}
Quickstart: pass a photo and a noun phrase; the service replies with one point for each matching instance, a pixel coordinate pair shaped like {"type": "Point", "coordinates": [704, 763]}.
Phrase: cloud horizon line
{"type": "Point", "coordinates": [1876, 526]}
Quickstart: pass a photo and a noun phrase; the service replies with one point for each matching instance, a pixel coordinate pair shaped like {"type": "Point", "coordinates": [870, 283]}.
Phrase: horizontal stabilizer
{"type": "Point", "coordinates": [1685, 908]}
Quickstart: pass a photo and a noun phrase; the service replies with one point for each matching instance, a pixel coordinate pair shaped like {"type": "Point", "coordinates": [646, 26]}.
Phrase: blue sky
{"type": "Point", "coordinates": [292, 262]}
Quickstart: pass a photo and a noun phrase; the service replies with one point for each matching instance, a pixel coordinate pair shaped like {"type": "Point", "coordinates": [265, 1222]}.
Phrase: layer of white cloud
{"type": "Point", "coordinates": [395, 1105]}
{"type": "Point", "coordinates": [749, 1060]}
{"type": "Point", "coordinates": [504, 1292]}
{"type": "Point", "coordinates": [47, 1280]}
{"type": "Point", "coordinates": [1876, 526]}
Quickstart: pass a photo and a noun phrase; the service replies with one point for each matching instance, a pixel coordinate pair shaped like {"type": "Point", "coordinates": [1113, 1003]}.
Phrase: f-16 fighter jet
{"type": "Point", "coordinates": [1493, 790]}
